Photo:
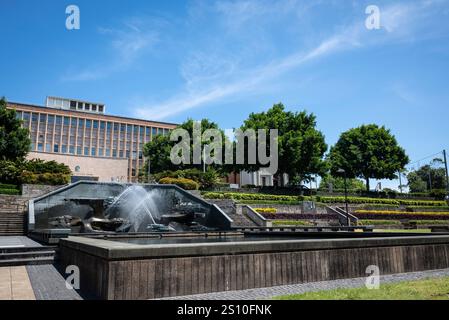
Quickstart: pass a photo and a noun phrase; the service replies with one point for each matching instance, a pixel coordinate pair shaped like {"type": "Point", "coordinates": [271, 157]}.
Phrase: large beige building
{"type": "Point", "coordinates": [93, 144]}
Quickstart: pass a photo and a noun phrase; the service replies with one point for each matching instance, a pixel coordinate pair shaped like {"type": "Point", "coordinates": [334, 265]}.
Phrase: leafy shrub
{"type": "Point", "coordinates": [9, 172]}
{"type": "Point", "coordinates": [44, 178]}
{"type": "Point", "coordinates": [205, 180]}
{"type": "Point", "coordinates": [352, 200]}
{"type": "Point", "coordinates": [186, 184]}
{"type": "Point", "coordinates": [265, 210]}
{"type": "Point", "coordinates": [291, 223]}
{"type": "Point", "coordinates": [9, 191]}
{"type": "Point", "coordinates": [8, 186]}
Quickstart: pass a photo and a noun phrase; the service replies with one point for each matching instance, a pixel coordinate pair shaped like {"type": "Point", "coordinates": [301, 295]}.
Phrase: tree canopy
{"type": "Point", "coordinates": [301, 146]}
{"type": "Point", "coordinates": [428, 177]}
{"type": "Point", "coordinates": [14, 140]}
{"type": "Point", "coordinates": [158, 150]}
{"type": "Point", "coordinates": [368, 152]}
{"type": "Point", "coordinates": [339, 183]}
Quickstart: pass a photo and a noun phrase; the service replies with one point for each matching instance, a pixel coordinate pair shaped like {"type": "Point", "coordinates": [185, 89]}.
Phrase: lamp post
{"type": "Point", "coordinates": [343, 171]}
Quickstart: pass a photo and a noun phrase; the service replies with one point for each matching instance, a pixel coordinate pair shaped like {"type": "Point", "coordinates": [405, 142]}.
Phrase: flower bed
{"type": "Point", "coordinates": [298, 216]}
{"type": "Point", "coordinates": [396, 215]}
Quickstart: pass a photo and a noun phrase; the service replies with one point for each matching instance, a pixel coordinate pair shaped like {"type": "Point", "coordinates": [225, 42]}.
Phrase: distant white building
{"type": "Point", "coordinates": [259, 178]}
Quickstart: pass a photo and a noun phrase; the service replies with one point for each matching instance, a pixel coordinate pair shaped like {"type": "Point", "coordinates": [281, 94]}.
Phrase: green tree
{"type": "Point", "coordinates": [368, 152]}
{"type": "Point", "coordinates": [14, 140]}
{"type": "Point", "coordinates": [339, 183]}
{"type": "Point", "coordinates": [427, 177]}
{"type": "Point", "coordinates": [301, 146]}
{"type": "Point", "coordinates": [158, 150]}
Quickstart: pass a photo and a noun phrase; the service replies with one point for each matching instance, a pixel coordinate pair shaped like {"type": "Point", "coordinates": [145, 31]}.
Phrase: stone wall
{"type": "Point", "coordinates": [13, 204]}
{"type": "Point", "coordinates": [37, 190]}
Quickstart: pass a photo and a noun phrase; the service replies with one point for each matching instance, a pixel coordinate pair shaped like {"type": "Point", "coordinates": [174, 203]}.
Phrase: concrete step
{"type": "Point", "coordinates": [26, 261]}
{"type": "Point", "coordinates": [27, 255]}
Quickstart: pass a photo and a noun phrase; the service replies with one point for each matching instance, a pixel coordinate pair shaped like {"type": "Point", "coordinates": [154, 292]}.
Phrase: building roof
{"type": "Point", "coordinates": [96, 116]}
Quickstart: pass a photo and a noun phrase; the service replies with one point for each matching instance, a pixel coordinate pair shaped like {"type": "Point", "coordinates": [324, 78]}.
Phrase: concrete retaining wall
{"type": "Point", "coordinates": [122, 271]}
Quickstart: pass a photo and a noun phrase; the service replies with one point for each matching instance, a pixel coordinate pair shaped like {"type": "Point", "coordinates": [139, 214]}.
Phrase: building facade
{"type": "Point", "coordinates": [93, 144]}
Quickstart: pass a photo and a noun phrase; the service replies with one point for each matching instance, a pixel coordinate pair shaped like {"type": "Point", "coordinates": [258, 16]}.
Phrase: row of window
{"type": "Point", "coordinates": [87, 151]}
{"type": "Point", "coordinates": [88, 123]}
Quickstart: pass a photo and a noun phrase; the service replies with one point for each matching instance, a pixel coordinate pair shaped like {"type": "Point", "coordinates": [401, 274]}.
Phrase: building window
{"type": "Point", "coordinates": [100, 108]}
{"type": "Point", "coordinates": [51, 118]}
{"type": "Point", "coordinates": [80, 122]}
{"type": "Point", "coordinates": [95, 124]}
{"type": "Point", "coordinates": [94, 107]}
{"type": "Point", "coordinates": [40, 147]}
{"type": "Point", "coordinates": [42, 118]}
{"type": "Point", "coordinates": [133, 172]}
{"type": "Point", "coordinates": [92, 152]}
{"type": "Point", "coordinates": [73, 105]}
{"type": "Point", "coordinates": [19, 115]}
{"type": "Point", "coordinates": [26, 116]}
{"type": "Point", "coordinates": [58, 120]}
{"type": "Point", "coordinates": [86, 151]}
{"type": "Point", "coordinates": [88, 123]}
{"type": "Point", "coordinates": [64, 149]}
{"type": "Point", "coordinates": [108, 152]}
{"type": "Point", "coordinates": [79, 150]}
{"type": "Point", "coordinates": [87, 106]}
{"type": "Point", "coordinates": [100, 152]}
{"type": "Point", "coordinates": [114, 153]}
{"type": "Point", "coordinates": [153, 132]}
{"type": "Point", "coordinates": [73, 122]}
{"type": "Point", "coordinates": [55, 148]}
{"type": "Point", "coordinates": [80, 106]}
{"type": "Point", "coordinates": [66, 121]}
{"type": "Point", "coordinates": [48, 147]}
{"type": "Point", "coordinates": [109, 126]}
{"type": "Point", "coordinates": [72, 149]}
{"type": "Point", "coordinates": [102, 125]}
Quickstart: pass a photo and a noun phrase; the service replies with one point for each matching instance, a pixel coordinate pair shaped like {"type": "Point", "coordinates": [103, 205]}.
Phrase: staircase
{"type": "Point", "coordinates": [228, 207]}
{"type": "Point", "coordinates": [12, 223]}
{"type": "Point", "coordinates": [20, 256]}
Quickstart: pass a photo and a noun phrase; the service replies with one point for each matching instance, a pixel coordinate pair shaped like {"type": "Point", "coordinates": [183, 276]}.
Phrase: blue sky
{"type": "Point", "coordinates": [170, 60]}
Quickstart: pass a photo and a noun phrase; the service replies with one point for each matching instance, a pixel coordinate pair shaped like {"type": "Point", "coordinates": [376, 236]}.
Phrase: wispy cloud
{"type": "Point", "coordinates": [210, 79]}
{"type": "Point", "coordinates": [124, 46]}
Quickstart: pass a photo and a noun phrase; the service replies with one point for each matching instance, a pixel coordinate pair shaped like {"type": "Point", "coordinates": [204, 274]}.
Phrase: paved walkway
{"type": "Point", "coordinates": [15, 284]}
{"type": "Point", "coordinates": [49, 284]}
{"type": "Point", "coordinates": [17, 242]}
{"type": "Point", "coordinates": [268, 293]}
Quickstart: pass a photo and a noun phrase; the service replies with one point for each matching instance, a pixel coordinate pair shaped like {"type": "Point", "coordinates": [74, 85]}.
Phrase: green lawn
{"type": "Point", "coordinates": [430, 289]}
{"type": "Point", "coordinates": [404, 230]}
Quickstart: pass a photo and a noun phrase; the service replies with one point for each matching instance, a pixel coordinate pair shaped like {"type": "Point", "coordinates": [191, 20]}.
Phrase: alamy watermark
{"type": "Point", "coordinates": [73, 21]}
{"type": "Point", "coordinates": [210, 147]}
{"type": "Point", "coordinates": [373, 280]}
{"type": "Point", "coordinates": [72, 282]}
{"type": "Point", "coordinates": [372, 22]}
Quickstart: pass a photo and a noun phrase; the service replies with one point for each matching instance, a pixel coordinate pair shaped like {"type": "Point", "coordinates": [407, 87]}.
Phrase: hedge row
{"type": "Point", "coordinates": [8, 186]}
{"type": "Point", "coordinates": [401, 216]}
{"type": "Point", "coordinates": [385, 212]}
{"type": "Point", "coordinates": [352, 200]}
{"type": "Point", "coordinates": [361, 200]}
{"type": "Point", "coordinates": [186, 184]}
{"type": "Point", "coordinates": [9, 191]}
{"type": "Point", "coordinates": [265, 210]}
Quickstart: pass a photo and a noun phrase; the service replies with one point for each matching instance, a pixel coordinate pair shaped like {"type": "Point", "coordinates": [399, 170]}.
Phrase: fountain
{"type": "Point", "coordinates": [92, 207]}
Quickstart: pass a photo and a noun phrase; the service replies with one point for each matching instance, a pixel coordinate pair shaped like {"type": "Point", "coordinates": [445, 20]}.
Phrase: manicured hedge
{"type": "Point", "coordinates": [186, 184]}
{"type": "Point", "coordinates": [395, 215]}
{"type": "Point", "coordinates": [265, 210]}
{"type": "Point", "coordinates": [9, 191]}
{"type": "Point", "coordinates": [8, 186]}
{"type": "Point", "coordinates": [352, 200]}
